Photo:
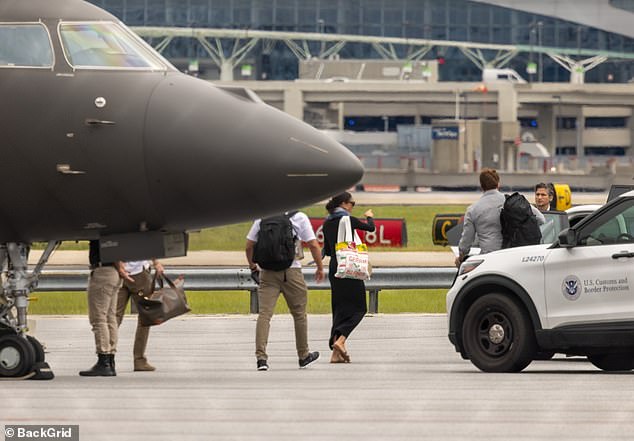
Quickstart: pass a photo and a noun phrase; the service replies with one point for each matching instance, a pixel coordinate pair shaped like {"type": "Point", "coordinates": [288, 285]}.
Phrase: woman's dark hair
{"type": "Point", "coordinates": [337, 201]}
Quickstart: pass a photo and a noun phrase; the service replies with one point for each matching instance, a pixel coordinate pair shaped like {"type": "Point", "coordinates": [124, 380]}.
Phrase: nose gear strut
{"type": "Point", "coordinates": [20, 356]}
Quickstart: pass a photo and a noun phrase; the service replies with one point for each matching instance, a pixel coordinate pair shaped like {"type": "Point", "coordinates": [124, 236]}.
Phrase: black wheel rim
{"type": "Point", "coordinates": [495, 333]}
{"type": "Point", "coordinates": [16, 356]}
{"type": "Point", "coordinates": [10, 357]}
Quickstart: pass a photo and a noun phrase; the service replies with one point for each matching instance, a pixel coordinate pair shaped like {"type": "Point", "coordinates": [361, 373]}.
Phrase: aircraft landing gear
{"type": "Point", "coordinates": [17, 356]}
{"type": "Point", "coordinates": [21, 355]}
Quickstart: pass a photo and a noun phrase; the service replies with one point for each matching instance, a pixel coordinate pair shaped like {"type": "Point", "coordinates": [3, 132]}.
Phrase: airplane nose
{"type": "Point", "coordinates": [223, 152]}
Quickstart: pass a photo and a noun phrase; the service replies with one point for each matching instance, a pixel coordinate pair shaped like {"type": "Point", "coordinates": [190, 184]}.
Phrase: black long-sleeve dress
{"type": "Point", "coordinates": [348, 295]}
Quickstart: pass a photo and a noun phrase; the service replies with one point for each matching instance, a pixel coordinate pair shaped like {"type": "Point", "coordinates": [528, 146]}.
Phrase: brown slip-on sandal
{"type": "Point", "coordinates": [341, 351]}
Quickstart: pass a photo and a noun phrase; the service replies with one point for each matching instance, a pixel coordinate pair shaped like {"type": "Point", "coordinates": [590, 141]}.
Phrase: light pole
{"type": "Point", "coordinates": [558, 118]}
{"type": "Point", "coordinates": [531, 64]}
{"type": "Point", "coordinates": [540, 77]}
{"type": "Point", "coordinates": [321, 27]}
{"type": "Point", "coordinates": [466, 130]}
{"type": "Point", "coordinates": [457, 112]}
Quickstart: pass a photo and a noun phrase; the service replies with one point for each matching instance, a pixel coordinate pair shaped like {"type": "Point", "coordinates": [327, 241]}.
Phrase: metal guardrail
{"type": "Point", "coordinates": [236, 279]}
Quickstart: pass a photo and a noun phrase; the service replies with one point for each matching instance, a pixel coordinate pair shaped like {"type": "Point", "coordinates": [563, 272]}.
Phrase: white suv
{"type": "Point", "coordinates": [576, 296]}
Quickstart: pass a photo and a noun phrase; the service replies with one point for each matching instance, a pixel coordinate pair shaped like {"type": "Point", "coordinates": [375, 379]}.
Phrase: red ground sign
{"type": "Point", "coordinates": [388, 233]}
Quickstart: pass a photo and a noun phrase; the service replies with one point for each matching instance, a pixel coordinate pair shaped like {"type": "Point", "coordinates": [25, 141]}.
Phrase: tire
{"type": "Point", "coordinates": [613, 362]}
{"type": "Point", "coordinates": [37, 348]}
{"type": "Point", "coordinates": [17, 356]}
{"type": "Point", "coordinates": [497, 334]}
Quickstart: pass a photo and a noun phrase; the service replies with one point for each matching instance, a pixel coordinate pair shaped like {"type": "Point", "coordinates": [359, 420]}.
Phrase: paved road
{"type": "Point", "coordinates": [404, 383]}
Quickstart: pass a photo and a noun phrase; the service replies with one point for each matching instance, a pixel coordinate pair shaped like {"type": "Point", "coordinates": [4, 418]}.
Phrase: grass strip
{"type": "Point", "coordinates": [418, 219]}
{"type": "Point", "coordinates": [237, 302]}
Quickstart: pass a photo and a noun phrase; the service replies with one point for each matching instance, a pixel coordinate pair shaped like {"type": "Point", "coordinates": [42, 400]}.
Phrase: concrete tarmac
{"type": "Point", "coordinates": [405, 382]}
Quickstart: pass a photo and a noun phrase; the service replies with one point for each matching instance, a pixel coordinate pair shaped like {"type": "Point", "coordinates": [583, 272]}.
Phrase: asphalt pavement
{"type": "Point", "coordinates": [405, 382]}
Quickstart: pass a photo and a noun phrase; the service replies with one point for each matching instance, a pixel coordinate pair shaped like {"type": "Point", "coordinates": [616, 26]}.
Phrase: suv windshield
{"type": "Point", "coordinates": [106, 45]}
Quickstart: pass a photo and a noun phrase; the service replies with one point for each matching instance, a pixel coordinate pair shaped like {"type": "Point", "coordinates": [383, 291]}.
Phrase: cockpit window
{"type": "Point", "coordinates": [106, 45]}
{"type": "Point", "coordinates": [25, 45]}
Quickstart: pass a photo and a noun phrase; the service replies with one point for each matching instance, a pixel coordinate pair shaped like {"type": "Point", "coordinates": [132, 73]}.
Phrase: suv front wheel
{"type": "Point", "coordinates": [497, 334]}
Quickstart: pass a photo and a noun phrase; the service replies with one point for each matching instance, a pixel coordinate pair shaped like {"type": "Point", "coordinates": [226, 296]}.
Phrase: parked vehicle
{"type": "Point", "coordinates": [575, 296]}
{"type": "Point", "coordinates": [490, 75]}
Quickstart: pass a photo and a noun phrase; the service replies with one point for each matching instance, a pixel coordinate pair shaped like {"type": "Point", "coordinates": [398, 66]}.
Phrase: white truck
{"type": "Point", "coordinates": [490, 75]}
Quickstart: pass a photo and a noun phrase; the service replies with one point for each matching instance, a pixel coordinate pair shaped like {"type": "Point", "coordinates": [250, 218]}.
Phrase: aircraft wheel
{"type": "Point", "coordinates": [37, 348]}
{"type": "Point", "coordinates": [498, 335]}
{"type": "Point", "coordinates": [17, 356]}
{"type": "Point", "coordinates": [613, 362]}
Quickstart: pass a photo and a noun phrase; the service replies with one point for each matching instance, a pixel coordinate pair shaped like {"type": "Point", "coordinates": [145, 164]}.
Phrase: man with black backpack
{"type": "Point", "coordinates": [483, 219]}
{"type": "Point", "coordinates": [273, 250]}
{"type": "Point", "coordinates": [520, 222]}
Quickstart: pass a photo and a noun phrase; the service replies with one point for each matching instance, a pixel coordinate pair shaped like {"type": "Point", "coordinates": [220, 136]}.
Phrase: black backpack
{"type": "Point", "coordinates": [519, 224]}
{"type": "Point", "coordinates": [275, 248]}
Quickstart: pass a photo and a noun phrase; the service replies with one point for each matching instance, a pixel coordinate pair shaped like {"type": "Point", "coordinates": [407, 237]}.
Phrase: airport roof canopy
{"type": "Point", "coordinates": [387, 43]}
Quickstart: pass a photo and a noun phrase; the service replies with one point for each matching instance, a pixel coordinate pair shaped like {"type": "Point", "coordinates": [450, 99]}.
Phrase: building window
{"type": "Point", "coordinates": [604, 151]}
{"type": "Point", "coordinates": [528, 122]}
{"type": "Point", "coordinates": [566, 123]}
{"type": "Point", "coordinates": [566, 151]}
{"type": "Point", "coordinates": [135, 12]}
{"type": "Point", "coordinates": [605, 122]}
{"type": "Point", "coordinates": [376, 123]}
{"type": "Point", "coordinates": [463, 20]}
{"type": "Point", "coordinates": [156, 13]}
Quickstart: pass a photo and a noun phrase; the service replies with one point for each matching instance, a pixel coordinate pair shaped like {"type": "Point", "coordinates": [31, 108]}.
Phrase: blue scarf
{"type": "Point", "coordinates": [337, 213]}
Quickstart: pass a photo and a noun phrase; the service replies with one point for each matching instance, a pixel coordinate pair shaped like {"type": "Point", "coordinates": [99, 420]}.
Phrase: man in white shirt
{"type": "Point", "coordinates": [290, 282]}
{"type": "Point", "coordinates": [139, 284]}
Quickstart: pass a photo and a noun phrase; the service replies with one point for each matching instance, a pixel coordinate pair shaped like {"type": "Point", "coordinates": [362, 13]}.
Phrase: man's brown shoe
{"type": "Point", "coordinates": [143, 366]}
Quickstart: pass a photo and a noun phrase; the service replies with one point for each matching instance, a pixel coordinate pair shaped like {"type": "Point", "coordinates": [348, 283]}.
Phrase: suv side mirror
{"type": "Point", "coordinates": [568, 238]}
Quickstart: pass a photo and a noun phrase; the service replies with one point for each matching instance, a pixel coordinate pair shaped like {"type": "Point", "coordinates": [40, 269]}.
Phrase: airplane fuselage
{"type": "Point", "coordinates": [97, 141]}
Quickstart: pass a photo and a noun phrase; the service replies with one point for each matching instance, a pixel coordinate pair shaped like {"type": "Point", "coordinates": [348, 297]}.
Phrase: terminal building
{"type": "Point", "coordinates": [588, 24]}
{"type": "Point", "coordinates": [580, 125]}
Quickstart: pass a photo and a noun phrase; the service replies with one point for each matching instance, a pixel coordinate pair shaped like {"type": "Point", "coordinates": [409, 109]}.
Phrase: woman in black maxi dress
{"type": "Point", "coordinates": [348, 295]}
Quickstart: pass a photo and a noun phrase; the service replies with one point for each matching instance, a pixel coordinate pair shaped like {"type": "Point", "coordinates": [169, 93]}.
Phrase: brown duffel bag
{"type": "Point", "coordinates": [162, 304]}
